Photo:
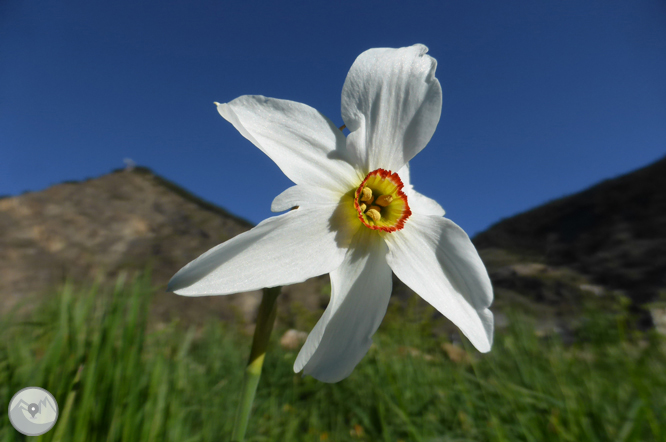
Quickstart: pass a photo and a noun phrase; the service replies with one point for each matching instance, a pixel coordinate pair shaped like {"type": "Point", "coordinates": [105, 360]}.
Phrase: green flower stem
{"type": "Point", "coordinates": [262, 334]}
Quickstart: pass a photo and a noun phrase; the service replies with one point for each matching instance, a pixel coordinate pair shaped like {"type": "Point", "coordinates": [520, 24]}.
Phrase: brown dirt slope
{"type": "Point", "coordinates": [125, 220]}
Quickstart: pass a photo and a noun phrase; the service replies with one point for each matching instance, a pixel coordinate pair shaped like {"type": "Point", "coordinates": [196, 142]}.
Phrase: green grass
{"type": "Point", "coordinates": [116, 379]}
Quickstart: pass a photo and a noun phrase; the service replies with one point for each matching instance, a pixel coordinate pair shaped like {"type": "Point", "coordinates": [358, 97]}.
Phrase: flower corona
{"type": "Point", "coordinates": [381, 203]}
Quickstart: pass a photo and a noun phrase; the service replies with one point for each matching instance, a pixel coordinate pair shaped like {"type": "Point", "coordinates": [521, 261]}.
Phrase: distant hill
{"type": "Point", "coordinates": [125, 220]}
{"type": "Point", "coordinates": [614, 233]}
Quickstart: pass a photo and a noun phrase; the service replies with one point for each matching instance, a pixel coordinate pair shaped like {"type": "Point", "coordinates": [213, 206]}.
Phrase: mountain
{"type": "Point", "coordinates": [123, 221]}
{"type": "Point", "coordinates": [609, 239]}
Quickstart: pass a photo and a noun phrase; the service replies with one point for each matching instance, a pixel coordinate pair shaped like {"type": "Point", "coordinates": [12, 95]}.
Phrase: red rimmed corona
{"type": "Point", "coordinates": [380, 202]}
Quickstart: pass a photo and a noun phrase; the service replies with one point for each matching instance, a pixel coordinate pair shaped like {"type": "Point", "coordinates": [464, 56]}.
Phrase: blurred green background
{"type": "Point", "coordinates": [118, 377]}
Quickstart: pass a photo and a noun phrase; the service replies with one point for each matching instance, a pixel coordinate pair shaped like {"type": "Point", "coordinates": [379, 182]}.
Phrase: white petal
{"type": "Point", "coordinates": [305, 144]}
{"type": "Point", "coordinates": [304, 196]}
{"type": "Point", "coordinates": [405, 175]}
{"type": "Point", "coordinates": [360, 292]}
{"type": "Point", "coordinates": [281, 250]}
{"type": "Point", "coordinates": [418, 202]}
{"type": "Point", "coordinates": [423, 205]}
{"type": "Point", "coordinates": [391, 103]}
{"type": "Point", "coordinates": [436, 259]}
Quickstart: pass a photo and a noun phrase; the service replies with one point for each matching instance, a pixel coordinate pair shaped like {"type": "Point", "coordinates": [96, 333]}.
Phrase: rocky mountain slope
{"type": "Point", "coordinates": [126, 220]}
{"type": "Point", "coordinates": [614, 233]}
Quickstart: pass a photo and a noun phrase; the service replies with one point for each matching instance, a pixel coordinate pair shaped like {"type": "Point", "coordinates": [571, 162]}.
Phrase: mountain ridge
{"type": "Point", "coordinates": [613, 231]}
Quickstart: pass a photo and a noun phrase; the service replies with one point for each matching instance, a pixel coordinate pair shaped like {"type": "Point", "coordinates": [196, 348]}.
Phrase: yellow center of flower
{"type": "Point", "coordinates": [380, 202]}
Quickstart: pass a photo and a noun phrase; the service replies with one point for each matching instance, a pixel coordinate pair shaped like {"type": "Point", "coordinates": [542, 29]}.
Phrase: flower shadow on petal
{"type": "Point", "coordinates": [361, 291]}
{"type": "Point", "coordinates": [340, 152]}
{"type": "Point", "coordinates": [344, 221]}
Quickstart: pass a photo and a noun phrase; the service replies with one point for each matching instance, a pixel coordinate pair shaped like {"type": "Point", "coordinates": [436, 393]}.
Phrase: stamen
{"type": "Point", "coordinates": [363, 207]}
{"type": "Point", "coordinates": [384, 200]}
{"type": "Point", "coordinates": [373, 214]}
{"type": "Point", "coordinates": [366, 195]}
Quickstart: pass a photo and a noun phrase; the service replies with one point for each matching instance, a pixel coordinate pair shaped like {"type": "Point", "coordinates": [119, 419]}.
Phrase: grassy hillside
{"type": "Point", "coordinates": [117, 380]}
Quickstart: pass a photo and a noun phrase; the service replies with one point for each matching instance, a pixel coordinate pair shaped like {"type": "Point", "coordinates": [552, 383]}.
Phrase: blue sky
{"type": "Point", "coordinates": [541, 99]}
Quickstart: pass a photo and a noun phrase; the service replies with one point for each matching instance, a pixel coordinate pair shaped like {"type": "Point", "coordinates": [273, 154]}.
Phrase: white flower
{"type": "Point", "coordinates": [354, 217]}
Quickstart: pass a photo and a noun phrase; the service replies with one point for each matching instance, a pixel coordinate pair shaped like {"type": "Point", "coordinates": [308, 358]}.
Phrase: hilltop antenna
{"type": "Point", "coordinates": [130, 164]}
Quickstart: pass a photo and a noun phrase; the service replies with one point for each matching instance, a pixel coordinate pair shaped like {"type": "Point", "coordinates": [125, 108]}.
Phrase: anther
{"type": "Point", "coordinates": [366, 194]}
{"type": "Point", "coordinates": [373, 214]}
{"type": "Point", "coordinates": [384, 200]}
{"type": "Point", "coordinates": [363, 207]}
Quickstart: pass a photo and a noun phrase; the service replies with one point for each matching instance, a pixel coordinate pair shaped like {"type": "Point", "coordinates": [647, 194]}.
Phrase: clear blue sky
{"type": "Point", "coordinates": [541, 98]}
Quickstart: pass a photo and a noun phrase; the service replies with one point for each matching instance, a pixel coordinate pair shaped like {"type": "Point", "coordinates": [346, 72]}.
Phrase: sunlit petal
{"type": "Point", "coordinates": [304, 196]}
{"type": "Point", "coordinates": [281, 250]}
{"type": "Point", "coordinates": [305, 144]}
{"type": "Point", "coordinates": [418, 202]}
{"type": "Point", "coordinates": [360, 292]}
{"type": "Point", "coordinates": [405, 174]}
{"type": "Point", "coordinates": [436, 259]}
{"type": "Point", "coordinates": [423, 205]}
{"type": "Point", "coordinates": [391, 103]}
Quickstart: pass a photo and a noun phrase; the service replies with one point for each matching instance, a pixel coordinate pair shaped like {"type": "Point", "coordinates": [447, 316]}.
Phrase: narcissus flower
{"type": "Point", "coordinates": [352, 213]}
